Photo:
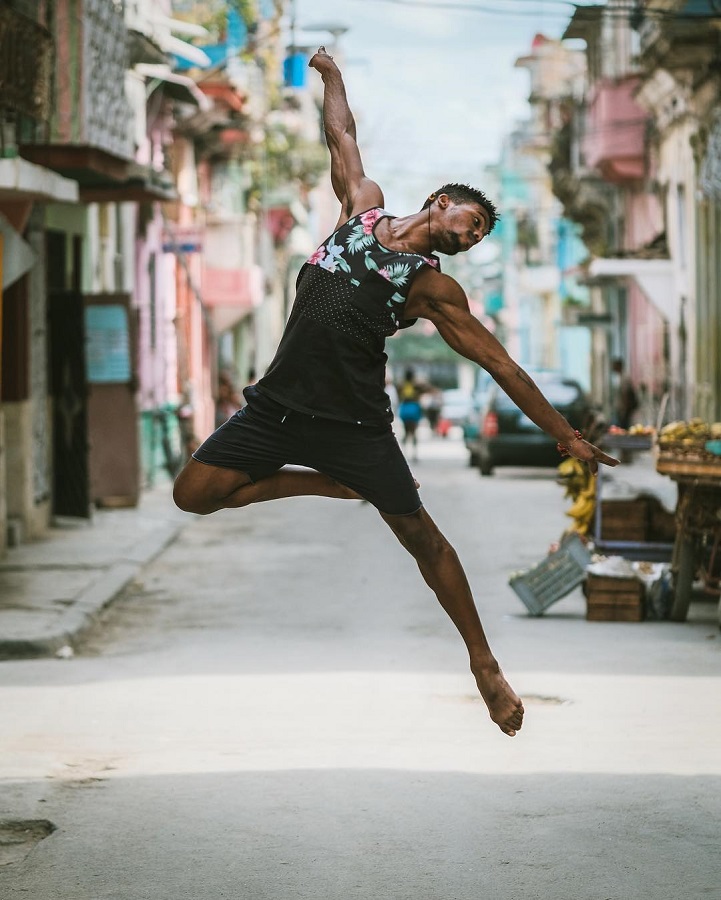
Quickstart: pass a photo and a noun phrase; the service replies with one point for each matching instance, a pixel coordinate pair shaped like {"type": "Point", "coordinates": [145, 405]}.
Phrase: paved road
{"type": "Point", "coordinates": [279, 709]}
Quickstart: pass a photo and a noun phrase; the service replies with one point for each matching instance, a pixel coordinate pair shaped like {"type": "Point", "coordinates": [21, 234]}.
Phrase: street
{"type": "Point", "coordinates": [279, 708]}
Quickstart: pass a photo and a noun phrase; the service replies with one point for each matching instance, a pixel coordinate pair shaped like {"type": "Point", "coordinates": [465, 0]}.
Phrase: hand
{"type": "Point", "coordinates": [322, 61]}
{"type": "Point", "coordinates": [588, 453]}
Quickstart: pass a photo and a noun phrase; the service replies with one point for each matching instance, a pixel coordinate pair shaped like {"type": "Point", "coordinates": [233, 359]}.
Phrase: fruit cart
{"type": "Point", "coordinates": [627, 533]}
{"type": "Point", "coordinates": [688, 453]}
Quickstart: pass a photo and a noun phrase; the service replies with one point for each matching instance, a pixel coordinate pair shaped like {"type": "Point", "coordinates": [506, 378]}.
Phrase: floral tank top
{"type": "Point", "coordinates": [350, 296]}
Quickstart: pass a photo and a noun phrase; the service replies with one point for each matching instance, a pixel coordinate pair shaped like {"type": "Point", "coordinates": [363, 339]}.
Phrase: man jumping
{"type": "Point", "coordinates": [322, 403]}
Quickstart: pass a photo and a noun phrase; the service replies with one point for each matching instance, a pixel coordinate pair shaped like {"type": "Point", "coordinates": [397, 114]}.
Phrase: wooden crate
{"type": "Point", "coordinates": [661, 522]}
{"type": "Point", "coordinates": [614, 599]}
{"type": "Point", "coordinates": [624, 520]}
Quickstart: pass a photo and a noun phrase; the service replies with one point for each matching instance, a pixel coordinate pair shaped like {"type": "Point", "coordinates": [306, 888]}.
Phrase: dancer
{"type": "Point", "coordinates": [322, 403]}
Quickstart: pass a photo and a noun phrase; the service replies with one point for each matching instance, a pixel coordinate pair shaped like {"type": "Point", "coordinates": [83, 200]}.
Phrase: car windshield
{"type": "Point", "coordinates": [558, 393]}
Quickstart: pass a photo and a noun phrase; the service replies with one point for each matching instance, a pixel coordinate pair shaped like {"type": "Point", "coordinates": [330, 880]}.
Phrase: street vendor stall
{"type": "Point", "coordinates": [626, 528]}
{"type": "Point", "coordinates": [690, 454]}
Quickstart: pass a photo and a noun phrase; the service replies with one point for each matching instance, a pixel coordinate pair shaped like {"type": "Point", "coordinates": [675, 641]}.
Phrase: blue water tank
{"type": "Point", "coordinates": [295, 67]}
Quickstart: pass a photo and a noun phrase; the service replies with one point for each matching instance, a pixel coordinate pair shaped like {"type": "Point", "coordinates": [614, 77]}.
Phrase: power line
{"type": "Point", "coordinates": [633, 10]}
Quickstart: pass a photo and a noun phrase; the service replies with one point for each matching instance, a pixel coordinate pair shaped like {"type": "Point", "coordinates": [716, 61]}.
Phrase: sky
{"type": "Point", "coordinates": [432, 83]}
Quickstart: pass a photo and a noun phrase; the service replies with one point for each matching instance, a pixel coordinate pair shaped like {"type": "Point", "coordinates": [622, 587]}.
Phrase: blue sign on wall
{"type": "Point", "coordinates": [107, 348]}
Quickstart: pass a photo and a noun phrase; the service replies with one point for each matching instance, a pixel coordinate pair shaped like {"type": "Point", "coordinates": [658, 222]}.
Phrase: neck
{"type": "Point", "coordinates": [411, 234]}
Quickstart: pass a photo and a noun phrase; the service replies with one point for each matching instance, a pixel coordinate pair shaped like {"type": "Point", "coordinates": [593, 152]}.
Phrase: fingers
{"type": "Point", "coordinates": [599, 457]}
{"type": "Point", "coordinates": [606, 459]}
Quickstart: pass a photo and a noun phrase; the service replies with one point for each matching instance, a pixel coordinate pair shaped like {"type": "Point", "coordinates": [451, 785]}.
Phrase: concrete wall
{"type": "Point", "coordinates": [19, 472]}
{"type": "Point", "coordinates": [3, 502]}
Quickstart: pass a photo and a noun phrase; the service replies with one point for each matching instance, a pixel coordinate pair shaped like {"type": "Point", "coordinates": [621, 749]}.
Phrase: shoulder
{"type": "Point", "coordinates": [432, 293]}
{"type": "Point", "coordinates": [365, 219]}
{"type": "Point", "coordinates": [368, 195]}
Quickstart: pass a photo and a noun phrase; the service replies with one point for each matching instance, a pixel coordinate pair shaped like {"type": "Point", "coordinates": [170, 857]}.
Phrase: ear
{"type": "Point", "coordinates": [443, 200]}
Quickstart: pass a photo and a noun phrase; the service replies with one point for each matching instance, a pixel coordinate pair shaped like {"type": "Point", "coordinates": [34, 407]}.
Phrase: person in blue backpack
{"type": "Point", "coordinates": [322, 403]}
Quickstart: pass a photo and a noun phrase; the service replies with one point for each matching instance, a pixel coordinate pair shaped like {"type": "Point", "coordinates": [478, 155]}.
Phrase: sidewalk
{"type": "Point", "coordinates": [52, 589]}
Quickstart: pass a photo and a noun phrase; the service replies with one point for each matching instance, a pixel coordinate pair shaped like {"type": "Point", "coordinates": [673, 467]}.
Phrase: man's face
{"type": "Point", "coordinates": [464, 225]}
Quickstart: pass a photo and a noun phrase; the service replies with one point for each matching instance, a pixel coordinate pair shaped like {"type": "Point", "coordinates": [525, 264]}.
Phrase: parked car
{"type": "Point", "coordinates": [457, 406]}
{"type": "Point", "coordinates": [507, 437]}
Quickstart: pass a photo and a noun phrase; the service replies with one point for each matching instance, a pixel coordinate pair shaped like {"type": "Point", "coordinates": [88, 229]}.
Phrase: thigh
{"type": "Point", "coordinates": [366, 459]}
{"type": "Point", "coordinates": [255, 440]}
{"type": "Point", "coordinates": [202, 482]}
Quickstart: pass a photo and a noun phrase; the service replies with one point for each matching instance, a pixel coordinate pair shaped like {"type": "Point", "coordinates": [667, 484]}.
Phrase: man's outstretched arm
{"type": "Point", "coordinates": [353, 189]}
{"type": "Point", "coordinates": [443, 301]}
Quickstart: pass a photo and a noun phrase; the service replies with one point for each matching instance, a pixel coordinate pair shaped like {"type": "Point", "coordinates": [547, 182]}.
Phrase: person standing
{"type": "Point", "coordinates": [625, 398]}
{"type": "Point", "coordinates": [321, 404]}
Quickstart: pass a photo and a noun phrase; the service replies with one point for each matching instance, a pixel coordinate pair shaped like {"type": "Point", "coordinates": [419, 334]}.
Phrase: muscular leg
{"type": "Point", "coordinates": [444, 575]}
{"type": "Point", "coordinates": [204, 489]}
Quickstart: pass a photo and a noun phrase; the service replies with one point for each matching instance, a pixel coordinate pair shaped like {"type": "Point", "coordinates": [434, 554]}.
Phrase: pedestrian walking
{"type": "Point", "coordinates": [625, 398]}
{"type": "Point", "coordinates": [228, 400]}
{"type": "Point", "coordinates": [322, 405]}
{"type": "Point", "coordinates": [410, 411]}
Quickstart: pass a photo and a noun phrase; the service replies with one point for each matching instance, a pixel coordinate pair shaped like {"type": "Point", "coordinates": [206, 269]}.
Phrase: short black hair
{"type": "Point", "coordinates": [464, 193]}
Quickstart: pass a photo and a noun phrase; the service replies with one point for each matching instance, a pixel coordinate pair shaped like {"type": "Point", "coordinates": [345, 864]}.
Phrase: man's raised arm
{"type": "Point", "coordinates": [355, 191]}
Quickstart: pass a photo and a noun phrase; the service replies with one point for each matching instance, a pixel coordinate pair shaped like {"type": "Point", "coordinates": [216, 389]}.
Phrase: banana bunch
{"type": "Point", "coordinates": [691, 434]}
{"type": "Point", "coordinates": [581, 488]}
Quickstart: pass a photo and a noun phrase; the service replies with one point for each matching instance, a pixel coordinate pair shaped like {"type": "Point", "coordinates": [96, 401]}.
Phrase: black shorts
{"type": "Point", "coordinates": [264, 436]}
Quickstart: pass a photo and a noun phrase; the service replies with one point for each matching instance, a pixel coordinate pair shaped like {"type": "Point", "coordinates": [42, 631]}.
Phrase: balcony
{"type": "Point", "coordinates": [675, 36]}
{"type": "Point", "coordinates": [614, 142]}
{"type": "Point", "coordinates": [89, 138]}
{"type": "Point", "coordinates": [230, 294]}
{"type": "Point", "coordinates": [26, 52]}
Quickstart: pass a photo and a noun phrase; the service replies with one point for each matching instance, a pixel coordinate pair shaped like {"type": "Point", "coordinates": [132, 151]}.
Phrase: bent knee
{"type": "Point", "coordinates": [184, 499]}
{"type": "Point", "coordinates": [189, 499]}
{"type": "Point", "coordinates": [420, 537]}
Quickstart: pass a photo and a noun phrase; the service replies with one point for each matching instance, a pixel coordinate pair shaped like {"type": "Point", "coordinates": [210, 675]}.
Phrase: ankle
{"type": "Point", "coordinates": [485, 666]}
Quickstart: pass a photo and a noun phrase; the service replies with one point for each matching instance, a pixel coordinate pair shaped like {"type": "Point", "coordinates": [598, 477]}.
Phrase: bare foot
{"type": "Point", "coordinates": [504, 705]}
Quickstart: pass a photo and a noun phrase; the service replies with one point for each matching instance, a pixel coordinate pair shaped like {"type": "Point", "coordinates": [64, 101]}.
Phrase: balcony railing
{"type": "Point", "coordinates": [25, 79]}
{"type": "Point", "coordinates": [90, 111]}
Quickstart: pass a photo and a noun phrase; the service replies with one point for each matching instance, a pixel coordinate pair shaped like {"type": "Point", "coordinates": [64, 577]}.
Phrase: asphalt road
{"type": "Point", "coordinates": [278, 708]}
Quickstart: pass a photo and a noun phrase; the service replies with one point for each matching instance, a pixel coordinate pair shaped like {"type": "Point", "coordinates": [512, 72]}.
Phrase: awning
{"type": "Point", "coordinates": [186, 51]}
{"type": "Point", "coordinates": [653, 276]}
{"type": "Point", "coordinates": [142, 185]}
{"type": "Point", "coordinates": [180, 87]}
{"type": "Point", "coordinates": [179, 26]}
{"type": "Point", "coordinates": [22, 180]}
{"type": "Point", "coordinates": [18, 257]}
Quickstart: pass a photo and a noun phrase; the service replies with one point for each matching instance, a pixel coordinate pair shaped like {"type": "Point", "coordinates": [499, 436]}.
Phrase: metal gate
{"type": "Point", "coordinates": [71, 488]}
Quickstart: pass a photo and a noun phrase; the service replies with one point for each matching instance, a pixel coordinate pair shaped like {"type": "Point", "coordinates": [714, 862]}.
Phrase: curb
{"type": "Point", "coordinates": [91, 601]}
